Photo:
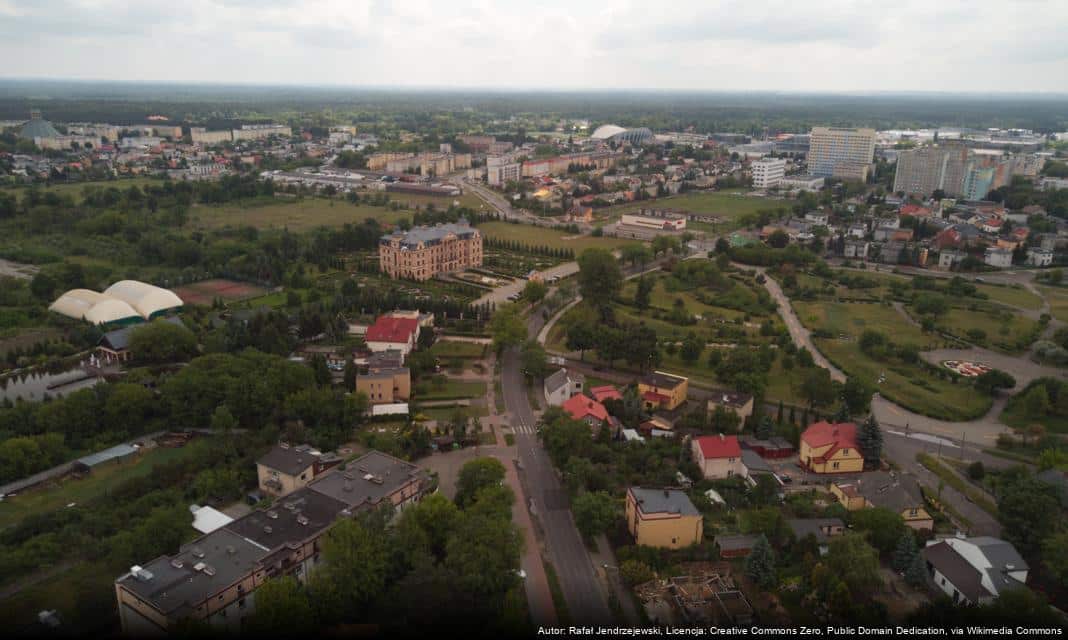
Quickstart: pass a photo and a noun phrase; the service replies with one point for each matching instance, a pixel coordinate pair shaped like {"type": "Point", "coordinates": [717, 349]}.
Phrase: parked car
{"type": "Point", "coordinates": [785, 477]}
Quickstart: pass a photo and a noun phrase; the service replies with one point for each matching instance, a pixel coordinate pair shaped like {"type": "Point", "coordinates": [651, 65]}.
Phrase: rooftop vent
{"type": "Point", "coordinates": [284, 445]}
{"type": "Point", "coordinates": [143, 575]}
{"type": "Point", "coordinates": [273, 515]}
{"type": "Point", "coordinates": [209, 570]}
{"type": "Point", "coordinates": [347, 475]}
{"type": "Point", "coordinates": [347, 486]}
{"type": "Point", "coordinates": [303, 520]}
{"type": "Point", "coordinates": [198, 552]}
{"type": "Point", "coordinates": [199, 566]}
{"type": "Point", "coordinates": [289, 506]}
{"type": "Point", "coordinates": [268, 529]}
{"type": "Point", "coordinates": [177, 563]}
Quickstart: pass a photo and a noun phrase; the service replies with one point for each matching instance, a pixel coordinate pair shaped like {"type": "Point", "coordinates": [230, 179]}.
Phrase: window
{"type": "Point", "coordinates": [834, 465]}
{"type": "Point", "coordinates": [845, 452]}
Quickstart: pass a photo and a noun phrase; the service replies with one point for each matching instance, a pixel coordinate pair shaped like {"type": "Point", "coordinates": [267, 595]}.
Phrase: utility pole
{"type": "Point", "coordinates": [963, 442]}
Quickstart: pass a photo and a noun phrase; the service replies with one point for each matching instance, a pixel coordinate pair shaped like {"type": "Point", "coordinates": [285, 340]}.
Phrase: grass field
{"type": "Point", "coordinates": [84, 597]}
{"type": "Point", "coordinates": [852, 319]}
{"type": "Point", "coordinates": [75, 188]}
{"type": "Point", "coordinates": [1012, 296]}
{"type": "Point", "coordinates": [446, 349]}
{"type": "Point", "coordinates": [542, 236]}
{"type": "Point", "coordinates": [1005, 331]}
{"type": "Point", "coordinates": [726, 205]}
{"type": "Point", "coordinates": [454, 390]}
{"type": "Point", "coordinates": [296, 215]}
{"type": "Point", "coordinates": [1058, 302]}
{"type": "Point", "coordinates": [79, 491]}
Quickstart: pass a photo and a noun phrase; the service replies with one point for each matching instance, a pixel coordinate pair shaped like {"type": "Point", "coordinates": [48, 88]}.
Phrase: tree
{"type": "Point", "coordinates": [507, 327]}
{"type": "Point", "coordinates": [870, 439]}
{"type": "Point", "coordinates": [816, 387]}
{"type": "Point", "coordinates": [764, 428]}
{"type": "Point", "coordinates": [282, 609]}
{"type": "Point", "coordinates": [599, 279]}
{"type": "Point", "coordinates": [644, 293]}
{"type": "Point", "coordinates": [916, 573]}
{"type": "Point", "coordinates": [976, 470]}
{"type": "Point", "coordinates": [475, 475]}
{"type": "Point", "coordinates": [161, 342]}
{"type": "Point", "coordinates": [222, 420]}
{"type": "Point", "coordinates": [692, 347]}
{"type": "Point", "coordinates": [1024, 507]}
{"type": "Point", "coordinates": [43, 286]}
{"type": "Point", "coordinates": [482, 556]}
{"type": "Point", "coordinates": [534, 291]}
{"type": "Point", "coordinates": [323, 377]}
{"type": "Point", "coordinates": [854, 561]}
{"type": "Point", "coordinates": [533, 361]}
{"type": "Point", "coordinates": [904, 552]}
{"type": "Point", "coordinates": [355, 565]}
{"type": "Point", "coordinates": [760, 564]}
{"type": "Point", "coordinates": [581, 336]}
{"type": "Point", "coordinates": [594, 512]}
{"type": "Point", "coordinates": [856, 396]}
{"type": "Point", "coordinates": [1054, 556]}
{"type": "Point", "coordinates": [990, 381]}
{"type": "Point", "coordinates": [778, 239]}
{"type": "Point", "coordinates": [883, 527]}
{"type": "Point", "coordinates": [635, 572]}
{"type": "Point", "coordinates": [350, 372]}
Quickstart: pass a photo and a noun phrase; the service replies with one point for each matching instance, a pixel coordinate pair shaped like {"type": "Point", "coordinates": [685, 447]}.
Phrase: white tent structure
{"type": "Point", "coordinates": [122, 303]}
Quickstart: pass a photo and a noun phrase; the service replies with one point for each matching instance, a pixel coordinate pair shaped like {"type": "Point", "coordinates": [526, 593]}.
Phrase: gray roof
{"type": "Point", "coordinates": [661, 379]}
{"type": "Point", "coordinates": [118, 451]}
{"type": "Point", "coordinates": [813, 526]}
{"type": "Point", "coordinates": [38, 128]}
{"type": "Point", "coordinates": [897, 493]}
{"type": "Point", "coordinates": [298, 516]}
{"type": "Point", "coordinates": [754, 463]}
{"type": "Point", "coordinates": [560, 377]}
{"type": "Point", "coordinates": [664, 501]}
{"type": "Point", "coordinates": [352, 485]}
{"type": "Point", "coordinates": [736, 542]}
{"type": "Point", "coordinates": [178, 589]}
{"type": "Point", "coordinates": [290, 460]}
{"type": "Point", "coordinates": [431, 235]}
{"type": "Point", "coordinates": [1001, 556]}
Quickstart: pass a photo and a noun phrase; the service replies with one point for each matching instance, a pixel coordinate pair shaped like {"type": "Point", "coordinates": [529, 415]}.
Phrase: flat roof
{"type": "Point", "coordinates": [367, 480]}
{"type": "Point", "coordinates": [293, 518]}
{"type": "Point", "coordinates": [664, 501]}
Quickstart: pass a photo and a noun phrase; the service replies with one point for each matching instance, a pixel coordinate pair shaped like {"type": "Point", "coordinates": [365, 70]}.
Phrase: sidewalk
{"type": "Point", "coordinates": [610, 575]}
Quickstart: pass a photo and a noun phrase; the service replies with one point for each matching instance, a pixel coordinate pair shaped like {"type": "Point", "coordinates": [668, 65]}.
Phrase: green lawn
{"type": "Point", "coordinates": [454, 390]}
{"type": "Point", "coordinates": [84, 597]}
{"type": "Point", "coordinates": [75, 188]}
{"type": "Point", "coordinates": [444, 414]}
{"type": "Point", "coordinates": [96, 484]}
{"type": "Point", "coordinates": [296, 215]}
{"type": "Point", "coordinates": [446, 349]}
{"type": "Point", "coordinates": [726, 205]}
{"type": "Point", "coordinates": [542, 236]}
{"type": "Point", "coordinates": [1058, 301]}
{"type": "Point", "coordinates": [852, 319]}
{"type": "Point", "coordinates": [1005, 330]}
{"type": "Point", "coordinates": [1012, 296]}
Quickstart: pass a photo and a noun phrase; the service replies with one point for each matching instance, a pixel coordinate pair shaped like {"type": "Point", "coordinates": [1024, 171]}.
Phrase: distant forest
{"type": "Point", "coordinates": [418, 110]}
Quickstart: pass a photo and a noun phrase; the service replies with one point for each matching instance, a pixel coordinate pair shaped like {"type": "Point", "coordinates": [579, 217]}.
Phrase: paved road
{"type": "Point", "coordinates": [578, 579]}
{"type": "Point", "coordinates": [500, 295]}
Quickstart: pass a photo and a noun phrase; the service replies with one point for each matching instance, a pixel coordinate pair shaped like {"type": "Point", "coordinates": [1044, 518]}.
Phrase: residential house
{"type": "Point", "coordinates": [822, 529]}
{"type": "Point", "coordinates": [1037, 257]}
{"type": "Point", "coordinates": [915, 211]}
{"type": "Point", "coordinates": [286, 468]}
{"type": "Point", "coordinates": [998, 257]}
{"type": "Point", "coordinates": [663, 391]}
{"type": "Point", "coordinates": [856, 249]}
{"type": "Point", "coordinates": [562, 385]}
{"type": "Point", "coordinates": [888, 491]}
{"type": "Point", "coordinates": [817, 218]}
{"type": "Point", "coordinates": [584, 408]}
{"type": "Point", "coordinates": [950, 258]}
{"type": "Point", "coordinates": [975, 570]}
{"type": "Point", "coordinates": [738, 403]}
{"type": "Point", "coordinates": [718, 456]}
{"type": "Point", "coordinates": [605, 393]}
{"type": "Point", "coordinates": [385, 381]}
{"type": "Point", "coordinates": [393, 333]}
{"type": "Point", "coordinates": [857, 231]}
{"type": "Point", "coordinates": [663, 518]}
{"type": "Point", "coordinates": [831, 448]}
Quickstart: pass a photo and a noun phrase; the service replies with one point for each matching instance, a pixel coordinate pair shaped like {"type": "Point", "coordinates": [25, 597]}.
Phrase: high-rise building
{"type": "Point", "coordinates": [924, 170]}
{"type": "Point", "coordinates": [840, 152]}
{"type": "Point", "coordinates": [502, 170]}
{"type": "Point", "coordinates": [768, 172]}
{"type": "Point", "coordinates": [423, 252]}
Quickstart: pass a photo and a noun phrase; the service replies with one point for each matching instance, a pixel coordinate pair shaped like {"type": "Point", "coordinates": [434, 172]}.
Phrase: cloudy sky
{"type": "Point", "coordinates": [814, 45]}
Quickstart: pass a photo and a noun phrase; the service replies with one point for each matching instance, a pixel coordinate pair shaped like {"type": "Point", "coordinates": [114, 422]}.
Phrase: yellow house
{"type": "Point", "coordinates": [831, 448]}
{"type": "Point", "coordinates": [661, 390]}
{"type": "Point", "coordinates": [663, 518]}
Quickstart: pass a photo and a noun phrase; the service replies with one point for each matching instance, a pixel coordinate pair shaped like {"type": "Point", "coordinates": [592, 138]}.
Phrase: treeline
{"type": "Point", "coordinates": [522, 247]}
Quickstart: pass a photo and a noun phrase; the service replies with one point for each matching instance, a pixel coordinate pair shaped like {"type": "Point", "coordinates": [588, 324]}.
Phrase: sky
{"type": "Point", "coordinates": [713, 45]}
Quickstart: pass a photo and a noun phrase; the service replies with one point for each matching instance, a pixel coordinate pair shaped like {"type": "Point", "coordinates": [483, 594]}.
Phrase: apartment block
{"type": "Point", "coordinates": [840, 152]}
{"type": "Point", "coordinates": [768, 172]}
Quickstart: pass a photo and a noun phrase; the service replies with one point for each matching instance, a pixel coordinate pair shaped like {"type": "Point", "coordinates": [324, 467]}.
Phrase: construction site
{"type": "Point", "coordinates": [705, 595]}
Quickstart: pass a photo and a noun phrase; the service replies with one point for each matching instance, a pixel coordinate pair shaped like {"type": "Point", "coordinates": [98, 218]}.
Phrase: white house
{"type": "Point", "coordinates": [998, 257]}
{"type": "Point", "coordinates": [974, 570]}
{"type": "Point", "coordinates": [856, 249]}
{"type": "Point", "coordinates": [719, 456]}
{"type": "Point", "coordinates": [560, 386]}
{"type": "Point", "coordinates": [1037, 257]}
{"type": "Point", "coordinates": [817, 218]}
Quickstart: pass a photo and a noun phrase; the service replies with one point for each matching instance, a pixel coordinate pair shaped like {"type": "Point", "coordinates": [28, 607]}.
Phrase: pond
{"type": "Point", "coordinates": [36, 385]}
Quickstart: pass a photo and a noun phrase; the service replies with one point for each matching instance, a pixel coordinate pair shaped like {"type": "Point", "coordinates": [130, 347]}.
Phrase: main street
{"type": "Point", "coordinates": [577, 576]}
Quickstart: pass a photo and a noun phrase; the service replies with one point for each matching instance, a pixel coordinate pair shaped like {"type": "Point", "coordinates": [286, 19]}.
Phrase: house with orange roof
{"type": "Point", "coordinates": [719, 456]}
{"type": "Point", "coordinates": [605, 393]}
{"type": "Point", "coordinates": [831, 448]}
{"type": "Point", "coordinates": [584, 408]}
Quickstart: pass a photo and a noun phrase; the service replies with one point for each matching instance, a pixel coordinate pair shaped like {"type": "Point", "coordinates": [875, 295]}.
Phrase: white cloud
{"type": "Point", "coordinates": [835, 45]}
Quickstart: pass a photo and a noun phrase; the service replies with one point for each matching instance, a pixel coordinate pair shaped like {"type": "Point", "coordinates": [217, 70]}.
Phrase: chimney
{"type": "Point", "coordinates": [722, 437]}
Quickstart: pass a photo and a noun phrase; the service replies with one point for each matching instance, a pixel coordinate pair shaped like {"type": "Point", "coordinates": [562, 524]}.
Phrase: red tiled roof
{"type": "Point", "coordinates": [389, 329]}
{"type": "Point", "coordinates": [607, 392]}
{"type": "Point", "coordinates": [915, 210]}
{"type": "Point", "coordinates": [719, 447]}
{"type": "Point", "coordinates": [580, 406]}
{"type": "Point", "coordinates": [841, 436]}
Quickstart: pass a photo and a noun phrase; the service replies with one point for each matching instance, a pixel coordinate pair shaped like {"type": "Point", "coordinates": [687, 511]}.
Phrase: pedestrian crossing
{"type": "Point", "coordinates": [520, 428]}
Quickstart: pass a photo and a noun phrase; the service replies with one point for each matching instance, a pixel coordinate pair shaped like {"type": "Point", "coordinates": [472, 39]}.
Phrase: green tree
{"type": "Point", "coordinates": [533, 360]}
{"type": "Point", "coordinates": [1024, 506]}
{"type": "Point", "coordinates": [643, 294]}
{"type": "Point", "coordinates": [854, 561]}
{"type": "Point", "coordinates": [43, 286]}
{"type": "Point", "coordinates": [581, 336]}
{"type": "Point", "coordinates": [507, 327]}
{"type": "Point", "coordinates": [534, 291]}
{"type": "Point", "coordinates": [350, 373]}
{"type": "Point", "coordinates": [816, 387]}
{"type": "Point", "coordinates": [760, 564]}
{"type": "Point", "coordinates": [594, 512]}
{"type": "Point", "coordinates": [354, 570]}
{"type": "Point", "coordinates": [323, 376]}
{"type": "Point", "coordinates": [482, 556]}
{"type": "Point", "coordinates": [856, 396]}
{"type": "Point", "coordinates": [222, 421]}
{"type": "Point", "coordinates": [904, 552]}
{"type": "Point", "coordinates": [883, 527]}
{"type": "Point", "coordinates": [161, 342]}
{"type": "Point", "coordinates": [692, 347]}
{"type": "Point", "coordinates": [916, 573]}
{"type": "Point", "coordinates": [475, 475]}
{"type": "Point", "coordinates": [1055, 557]}
{"type": "Point", "coordinates": [764, 428]}
{"type": "Point", "coordinates": [635, 572]}
{"type": "Point", "coordinates": [282, 609]}
{"type": "Point", "coordinates": [599, 279]}
{"type": "Point", "coordinates": [870, 439]}
{"type": "Point", "coordinates": [993, 380]}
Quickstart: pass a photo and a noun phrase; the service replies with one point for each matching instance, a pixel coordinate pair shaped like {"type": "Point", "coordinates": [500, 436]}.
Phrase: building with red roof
{"type": "Point", "coordinates": [915, 210]}
{"type": "Point", "coordinates": [719, 456]}
{"type": "Point", "coordinates": [606, 392]}
{"type": "Point", "coordinates": [831, 448]}
{"type": "Point", "coordinates": [584, 408]}
{"type": "Point", "coordinates": [390, 332]}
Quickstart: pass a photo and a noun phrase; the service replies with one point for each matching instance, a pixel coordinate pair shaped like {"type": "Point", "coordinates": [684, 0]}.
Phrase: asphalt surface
{"type": "Point", "coordinates": [582, 590]}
